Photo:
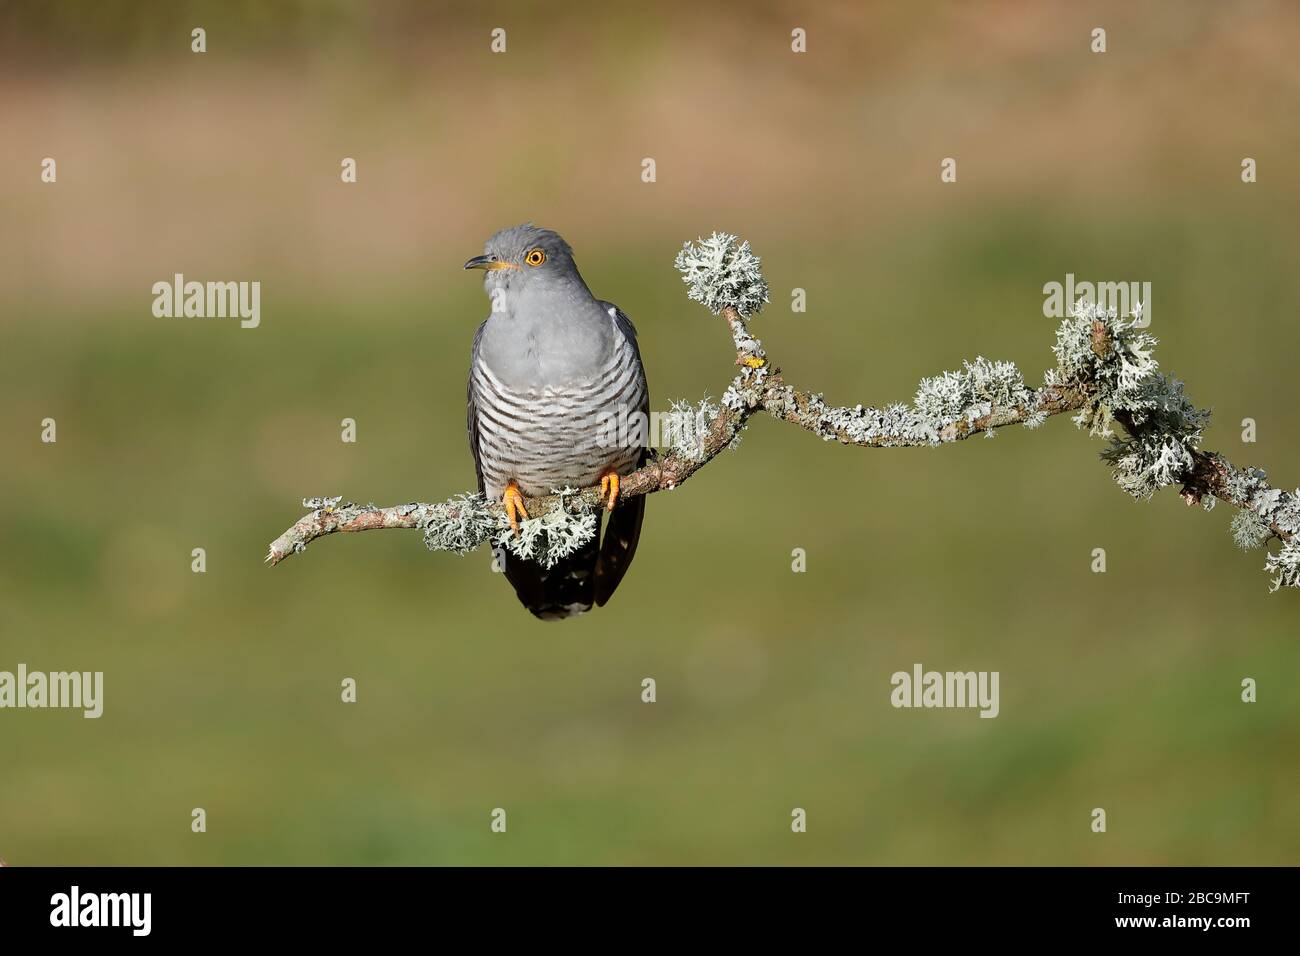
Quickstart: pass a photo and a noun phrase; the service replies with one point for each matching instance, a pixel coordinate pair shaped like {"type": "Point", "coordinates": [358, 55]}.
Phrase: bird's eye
{"type": "Point", "coordinates": [535, 258]}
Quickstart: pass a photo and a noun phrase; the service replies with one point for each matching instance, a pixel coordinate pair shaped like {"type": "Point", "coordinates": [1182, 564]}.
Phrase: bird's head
{"type": "Point", "coordinates": [526, 257]}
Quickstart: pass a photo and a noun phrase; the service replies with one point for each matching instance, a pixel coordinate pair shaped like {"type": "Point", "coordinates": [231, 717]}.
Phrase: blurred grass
{"type": "Point", "coordinates": [1118, 690]}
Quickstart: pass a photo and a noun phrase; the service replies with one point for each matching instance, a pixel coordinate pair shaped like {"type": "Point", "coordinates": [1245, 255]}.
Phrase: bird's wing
{"type": "Point", "coordinates": [471, 409]}
{"type": "Point", "coordinates": [623, 530]}
{"type": "Point", "coordinates": [625, 327]}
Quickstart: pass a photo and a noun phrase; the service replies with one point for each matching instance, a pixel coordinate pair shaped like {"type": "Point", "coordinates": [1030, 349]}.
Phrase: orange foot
{"type": "Point", "coordinates": [513, 500]}
{"type": "Point", "coordinates": [609, 489]}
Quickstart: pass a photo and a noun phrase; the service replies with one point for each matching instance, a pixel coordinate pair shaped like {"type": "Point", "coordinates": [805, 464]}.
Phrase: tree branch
{"type": "Point", "coordinates": [1104, 373]}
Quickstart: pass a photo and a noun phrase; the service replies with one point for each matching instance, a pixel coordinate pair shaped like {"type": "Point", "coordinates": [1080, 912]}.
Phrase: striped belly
{"type": "Point", "coordinates": [556, 437]}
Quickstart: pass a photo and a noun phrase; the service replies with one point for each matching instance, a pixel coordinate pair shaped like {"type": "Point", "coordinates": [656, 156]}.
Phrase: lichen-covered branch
{"type": "Point", "coordinates": [1104, 373]}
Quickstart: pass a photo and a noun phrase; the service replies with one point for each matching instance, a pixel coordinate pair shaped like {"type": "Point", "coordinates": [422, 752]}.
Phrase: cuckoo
{"type": "Point", "coordinates": [551, 367]}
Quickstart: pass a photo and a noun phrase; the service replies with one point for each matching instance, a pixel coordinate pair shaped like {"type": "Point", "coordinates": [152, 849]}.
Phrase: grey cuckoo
{"type": "Point", "coordinates": [555, 378]}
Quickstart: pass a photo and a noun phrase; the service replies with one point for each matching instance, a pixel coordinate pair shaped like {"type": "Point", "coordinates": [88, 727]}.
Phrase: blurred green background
{"type": "Point", "coordinates": [1119, 690]}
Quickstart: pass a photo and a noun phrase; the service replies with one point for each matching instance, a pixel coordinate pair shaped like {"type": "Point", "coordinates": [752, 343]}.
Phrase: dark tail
{"type": "Point", "coordinates": [588, 576]}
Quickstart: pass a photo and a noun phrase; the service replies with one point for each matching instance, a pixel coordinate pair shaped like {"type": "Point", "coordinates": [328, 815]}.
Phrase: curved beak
{"type": "Point", "coordinates": [489, 262]}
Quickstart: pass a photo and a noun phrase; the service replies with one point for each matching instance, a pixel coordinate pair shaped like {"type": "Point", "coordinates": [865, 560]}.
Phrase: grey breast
{"type": "Point", "coordinates": [546, 435]}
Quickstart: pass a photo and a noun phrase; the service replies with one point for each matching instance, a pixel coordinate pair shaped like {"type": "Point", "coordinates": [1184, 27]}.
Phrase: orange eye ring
{"type": "Point", "coordinates": [535, 258]}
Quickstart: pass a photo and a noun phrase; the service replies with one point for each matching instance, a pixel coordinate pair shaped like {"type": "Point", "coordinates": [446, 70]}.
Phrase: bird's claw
{"type": "Point", "coordinates": [609, 489]}
{"type": "Point", "coordinates": [513, 500]}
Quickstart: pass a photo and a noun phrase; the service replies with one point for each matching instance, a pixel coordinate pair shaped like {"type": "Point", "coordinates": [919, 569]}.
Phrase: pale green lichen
{"type": "Point", "coordinates": [1162, 426]}
{"type": "Point", "coordinates": [971, 393]}
{"type": "Point", "coordinates": [460, 525]}
{"type": "Point", "coordinates": [316, 504]}
{"type": "Point", "coordinates": [1285, 566]}
{"type": "Point", "coordinates": [685, 427]}
{"type": "Point", "coordinates": [1120, 371]}
{"type": "Point", "coordinates": [551, 537]}
{"type": "Point", "coordinates": [1249, 530]}
{"type": "Point", "coordinates": [721, 271]}
{"type": "Point", "coordinates": [1035, 419]}
{"type": "Point", "coordinates": [464, 522]}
